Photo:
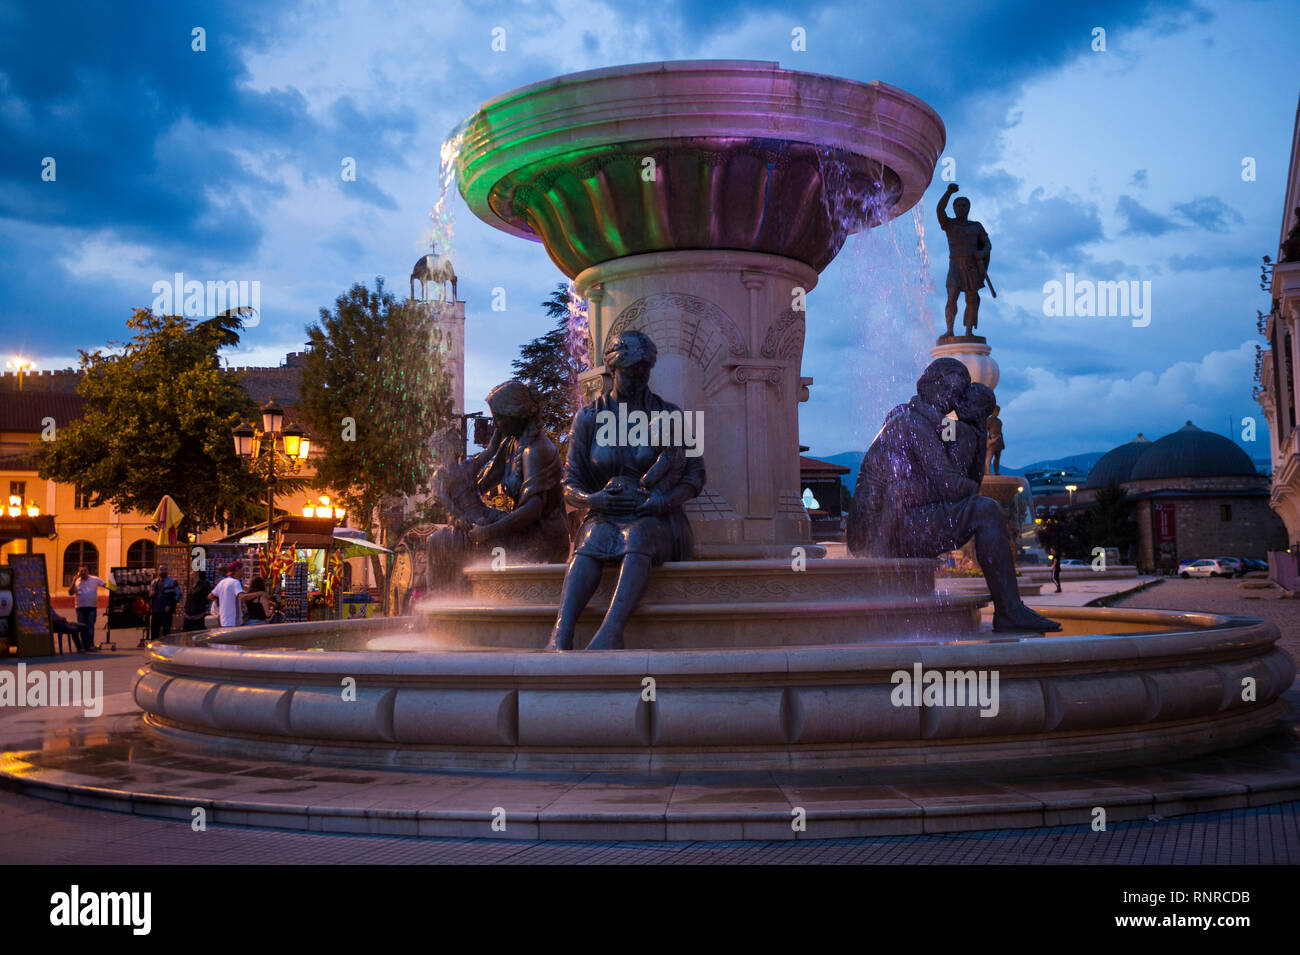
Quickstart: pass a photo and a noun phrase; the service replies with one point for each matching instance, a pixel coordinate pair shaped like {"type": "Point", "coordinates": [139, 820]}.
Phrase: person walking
{"type": "Point", "coordinates": [85, 588]}
{"type": "Point", "coordinates": [226, 594]}
{"type": "Point", "coordinates": [1056, 569]}
{"type": "Point", "coordinates": [164, 595]}
{"type": "Point", "coordinates": [196, 603]}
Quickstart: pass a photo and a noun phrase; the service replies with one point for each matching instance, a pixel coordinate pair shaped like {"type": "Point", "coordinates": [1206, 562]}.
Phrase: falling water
{"type": "Point", "coordinates": [439, 239]}
{"type": "Point", "coordinates": [886, 272]}
{"type": "Point", "coordinates": [577, 340]}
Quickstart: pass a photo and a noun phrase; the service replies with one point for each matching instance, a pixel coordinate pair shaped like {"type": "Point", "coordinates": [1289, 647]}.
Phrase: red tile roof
{"type": "Point", "coordinates": [27, 411]}
{"type": "Point", "coordinates": [812, 464]}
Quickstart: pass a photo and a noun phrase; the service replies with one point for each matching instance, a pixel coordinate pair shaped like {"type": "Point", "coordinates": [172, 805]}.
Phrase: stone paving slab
{"type": "Point", "coordinates": [114, 764]}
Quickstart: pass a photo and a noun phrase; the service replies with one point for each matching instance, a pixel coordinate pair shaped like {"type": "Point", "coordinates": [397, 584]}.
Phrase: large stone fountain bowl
{"type": "Point", "coordinates": [696, 154]}
{"type": "Point", "coordinates": [1123, 688]}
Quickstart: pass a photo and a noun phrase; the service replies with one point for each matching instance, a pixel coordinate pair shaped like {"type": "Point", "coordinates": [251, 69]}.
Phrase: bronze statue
{"type": "Point", "coordinates": [996, 443]}
{"type": "Point", "coordinates": [968, 448]}
{"type": "Point", "coordinates": [969, 250]}
{"type": "Point", "coordinates": [524, 461]}
{"type": "Point", "coordinates": [634, 494]}
{"type": "Point", "coordinates": [914, 500]}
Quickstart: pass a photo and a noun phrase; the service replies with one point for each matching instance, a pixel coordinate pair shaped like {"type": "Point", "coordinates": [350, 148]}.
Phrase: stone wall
{"type": "Point", "coordinates": [1253, 530]}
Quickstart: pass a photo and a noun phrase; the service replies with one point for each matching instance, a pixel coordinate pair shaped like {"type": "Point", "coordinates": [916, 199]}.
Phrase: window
{"type": "Point", "coordinates": [76, 554]}
{"type": "Point", "coordinates": [141, 554]}
{"type": "Point", "coordinates": [1225, 512]}
{"type": "Point", "coordinates": [80, 499]}
{"type": "Point", "coordinates": [19, 488]}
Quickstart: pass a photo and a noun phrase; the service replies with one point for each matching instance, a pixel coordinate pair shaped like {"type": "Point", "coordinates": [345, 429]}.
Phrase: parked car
{"type": "Point", "coordinates": [1205, 568]}
{"type": "Point", "coordinates": [1253, 565]}
{"type": "Point", "coordinates": [1236, 563]}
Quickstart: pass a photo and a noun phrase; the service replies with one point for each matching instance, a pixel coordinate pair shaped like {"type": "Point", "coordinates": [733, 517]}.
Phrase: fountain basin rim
{"type": "Point", "coordinates": [1240, 635]}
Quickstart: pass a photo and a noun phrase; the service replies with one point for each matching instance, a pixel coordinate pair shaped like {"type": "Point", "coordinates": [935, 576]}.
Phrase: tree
{"type": "Point", "coordinates": [1067, 531]}
{"type": "Point", "coordinates": [158, 420]}
{"type": "Point", "coordinates": [1111, 521]}
{"type": "Point", "coordinates": [550, 367]}
{"type": "Point", "coordinates": [374, 391]}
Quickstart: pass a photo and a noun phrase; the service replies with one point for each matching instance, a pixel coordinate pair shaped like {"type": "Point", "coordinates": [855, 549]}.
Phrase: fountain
{"type": "Point", "coordinates": [697, 202]}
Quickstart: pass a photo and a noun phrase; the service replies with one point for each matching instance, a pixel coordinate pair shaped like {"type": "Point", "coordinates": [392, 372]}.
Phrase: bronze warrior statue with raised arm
{"type": "Point", "coordinates": [969, 250]}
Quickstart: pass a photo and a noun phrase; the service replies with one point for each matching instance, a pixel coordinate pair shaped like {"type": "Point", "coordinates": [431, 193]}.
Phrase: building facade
{"type": "Point", "coordinates": [1276, 372]}
{"type": "Point", "coordinates": [1195, 494]}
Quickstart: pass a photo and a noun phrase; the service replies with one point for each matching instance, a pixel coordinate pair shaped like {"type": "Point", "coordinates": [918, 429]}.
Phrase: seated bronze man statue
{"type": "Point", "coordinates": [914, 500]}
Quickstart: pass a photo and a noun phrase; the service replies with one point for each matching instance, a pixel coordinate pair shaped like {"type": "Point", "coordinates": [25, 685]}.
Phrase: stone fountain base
{"type": "Point", "coordinates": [1119, 688]}
{"type": "Point", "coordinates": [716, 603]}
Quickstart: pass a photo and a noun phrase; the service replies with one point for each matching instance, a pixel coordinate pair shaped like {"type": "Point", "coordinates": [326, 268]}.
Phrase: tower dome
{"type": "Point", "coordinates": [433, 271]}
{"type": "Point", "coordinates": [1191, 452]}
{"type": "Point", "coordinates": [1116, 464]}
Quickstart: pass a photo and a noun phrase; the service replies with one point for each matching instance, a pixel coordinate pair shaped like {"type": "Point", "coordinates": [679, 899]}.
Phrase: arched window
{"type": "Point", "coordinates": [141, 554]}
{"type": "Point", "coordinates": [76, 554]}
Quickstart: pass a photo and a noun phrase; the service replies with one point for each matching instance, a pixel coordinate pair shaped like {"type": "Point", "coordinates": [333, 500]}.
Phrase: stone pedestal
{"type": "Point", "coordinates": [973, 351]}
{"type": "Point", "coordinates": [729, 327]}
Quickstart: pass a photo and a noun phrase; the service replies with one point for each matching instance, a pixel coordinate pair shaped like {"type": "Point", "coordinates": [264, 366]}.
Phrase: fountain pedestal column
{"type": "Point", "coordinates": [729, 327]}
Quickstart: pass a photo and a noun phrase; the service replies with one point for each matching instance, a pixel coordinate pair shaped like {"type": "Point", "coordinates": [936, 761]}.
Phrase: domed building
{"type": "Point", "coordinates": [1195, 493]}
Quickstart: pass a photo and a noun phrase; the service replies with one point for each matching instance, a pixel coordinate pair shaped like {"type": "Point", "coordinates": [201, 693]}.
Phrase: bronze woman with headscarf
{"type": "Point", "coordinates": [634, 494]}
{"type": "Point", "coordinates": [523, 460]}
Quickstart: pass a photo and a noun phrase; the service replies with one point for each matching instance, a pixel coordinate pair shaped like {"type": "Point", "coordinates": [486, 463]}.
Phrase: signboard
{"type": "Point", "coordinates": [1164, 536]}
{"type": "Point", "coordinates": [31, 618]}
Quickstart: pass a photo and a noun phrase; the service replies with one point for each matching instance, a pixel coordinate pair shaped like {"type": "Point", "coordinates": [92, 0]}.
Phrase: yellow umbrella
{"type": "Point", "coordinates": [167, 516]}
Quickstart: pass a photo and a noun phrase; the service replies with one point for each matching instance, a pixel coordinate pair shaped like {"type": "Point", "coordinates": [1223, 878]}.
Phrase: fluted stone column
{"type": "Point", "coordinates": [730, 341]}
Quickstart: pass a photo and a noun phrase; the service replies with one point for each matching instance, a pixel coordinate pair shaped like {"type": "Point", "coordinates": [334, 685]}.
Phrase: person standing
{"type": "Point", "coordinates": [1056, 569]}
{"type": "Point", "coordinates": [164, 595]}
{"type": "Point", "coordinates": [196, 603]}
{"type": "Point", "coordinates": [226, 594]}
{"type": "Point", "coordinates": [85, 587]}
{"type": "Point", "coordinates": [257, 602]}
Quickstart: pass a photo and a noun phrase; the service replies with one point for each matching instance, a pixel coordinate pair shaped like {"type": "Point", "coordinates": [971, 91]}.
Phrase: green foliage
{"type": "Point", "coordinates": [1111, 520]}
{"type": "Point", "coordinates": [546, 365]}
{"type": "Point", "coordinates": [157, 421]}
{"type": "Point", "coordinates": [1067, 531]}
{"type": "Point", "coordinates": [379, 362]}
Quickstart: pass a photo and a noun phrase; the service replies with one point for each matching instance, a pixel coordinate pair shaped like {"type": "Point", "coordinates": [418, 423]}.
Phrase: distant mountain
{"type": "Point", "coordinates": [1084, 462]}
{"type": "Point", "coordinates": [853, 460]}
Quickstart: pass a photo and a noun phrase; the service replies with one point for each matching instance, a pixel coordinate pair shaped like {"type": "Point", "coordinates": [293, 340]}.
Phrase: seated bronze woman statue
{"type": "Point", "coordinates": [525, 462]}
{"type": "Point", "coordinates": [633, 491]}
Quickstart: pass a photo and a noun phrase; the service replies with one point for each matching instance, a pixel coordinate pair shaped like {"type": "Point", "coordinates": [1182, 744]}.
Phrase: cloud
{"type": "Point", "coordinates": [1139, 179]}
{"type": "Point", "coordinates": [1141, 220]}
{"type": "Point", "coordinates": [1061, 413]}
{"type": "Point", "coordinates": [1210, 213]}
{"type": "Point", "coordinates": [1049, 228]}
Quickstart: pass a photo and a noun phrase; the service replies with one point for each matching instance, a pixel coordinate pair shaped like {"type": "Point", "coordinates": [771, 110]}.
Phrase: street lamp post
{"type": "Point", "coordinates": [270, 452]}
{"type": "Point", "coordinates": [21, 364]}
{"type": "Point", "coordinates": [1072, 488]}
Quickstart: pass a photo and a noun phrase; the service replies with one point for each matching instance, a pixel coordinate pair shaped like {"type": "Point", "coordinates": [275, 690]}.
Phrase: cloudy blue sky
{"type": "Point", "coordinates": [224, 164]}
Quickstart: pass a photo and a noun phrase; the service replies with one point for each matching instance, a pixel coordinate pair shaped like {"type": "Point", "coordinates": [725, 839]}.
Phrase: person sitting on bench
{"type": "Point", "coordinates": [78, 631]}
